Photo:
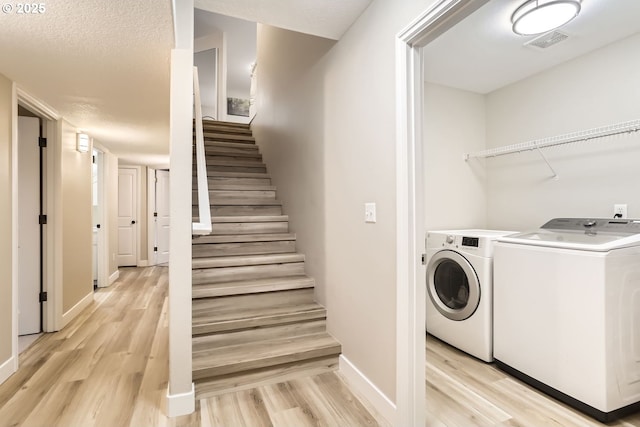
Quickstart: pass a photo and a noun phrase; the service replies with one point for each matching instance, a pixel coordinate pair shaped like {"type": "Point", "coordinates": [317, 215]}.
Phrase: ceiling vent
{"type": "Point", "coordinates": [547, 40]}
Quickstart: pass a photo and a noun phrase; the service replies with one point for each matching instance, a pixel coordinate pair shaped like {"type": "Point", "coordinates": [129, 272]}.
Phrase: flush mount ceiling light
{"type": "Point", "coordinates": [540, 16]}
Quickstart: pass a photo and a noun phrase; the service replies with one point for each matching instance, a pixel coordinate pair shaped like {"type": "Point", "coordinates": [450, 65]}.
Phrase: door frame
{"type": "Point", "coordinates": [52, 274]}
{"type": "Point", "coordinates": [410, 199]}
{"type": "Point", "coordinates": [103, 234]}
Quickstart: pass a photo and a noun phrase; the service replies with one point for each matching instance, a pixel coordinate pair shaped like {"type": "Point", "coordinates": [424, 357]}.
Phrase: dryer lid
{"type": "Point", "coordinates": [582, 234]}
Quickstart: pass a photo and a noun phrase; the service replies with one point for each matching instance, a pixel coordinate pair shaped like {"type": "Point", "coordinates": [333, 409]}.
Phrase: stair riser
{"type": "Point", "coordinates": [212, 153]}
{"type": "Point", "coordinates": [226, 274]}
{"type": "Point", "coordinates": [226, 129]}
{"type": "Point", "coordinates": [245, 210]}
{"type": "Point", "coordinates": [213, 161]}
{"type": "Point", "coordinates": [330, 350]}
{"type": "Point", "coordinates": [223, 180]}
{"type": "Point", "coordinates": [243, 194]}
{"type": "Point", "coordinates": [240, 147]}
{"type": "Point", "coordinates": [240, 210]}
{"type": "Point", "coordinates": [239, 139]}
{"type": "Point", "coordinates": [248, 302]}
{"type": "Point", "coordinates": [244, 261]}
{"type": "Point", "coordinates": [259, 168]}
{"type": "Point", "coordinates": [205, 240]}
{"type": "Point", "coordinates": [258, 322]}
{"type": "Point", "coordinates": [236, 197]}
{"type": "Point", "coordinates": [249, 248]}
{"type": "Point", "coordinates": [250, 227]}
{"type": "Point", "coordinates": [204, 342]}
{"type": "Point", "coordinates": [212, 290]}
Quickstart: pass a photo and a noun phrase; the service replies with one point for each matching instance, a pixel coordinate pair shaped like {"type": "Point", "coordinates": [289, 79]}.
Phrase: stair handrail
{"type": "Point", "coordinates": [204, 210]}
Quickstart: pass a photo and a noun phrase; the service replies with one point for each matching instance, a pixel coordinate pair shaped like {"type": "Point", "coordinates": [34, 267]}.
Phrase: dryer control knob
{"type": "Point", "coordinates": [450, 239]}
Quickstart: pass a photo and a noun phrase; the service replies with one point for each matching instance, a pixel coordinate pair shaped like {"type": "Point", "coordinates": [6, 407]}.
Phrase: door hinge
{"type": "Point", "coordinates": [424, 259]}
{"type": "Point", "coordinates": [42, 219]}
{"type": "Point", "coordinates": [155, 214]}
{"type": "Point", "coordinates": [155, 249]}
{"type": "Point", "coordinates": [43, 297]}
{"type": "Point", "coordinates": [42, 142]}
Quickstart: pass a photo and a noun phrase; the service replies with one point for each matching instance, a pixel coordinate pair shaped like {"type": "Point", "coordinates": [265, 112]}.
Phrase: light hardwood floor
{"type": "Point", "coordinates": [109, 367]}
{"type": "Point", "coordinates": [465, 392]}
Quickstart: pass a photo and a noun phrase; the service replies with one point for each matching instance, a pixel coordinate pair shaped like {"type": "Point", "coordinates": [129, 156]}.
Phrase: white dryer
{"type": "Point", "coordinates": [567, 312]}
{"type": "Point", "coordinates": [459, 302]}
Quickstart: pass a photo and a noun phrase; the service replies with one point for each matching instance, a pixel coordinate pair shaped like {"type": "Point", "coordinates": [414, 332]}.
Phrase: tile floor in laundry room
{"type": "Point", "coordinates": [465, 392]}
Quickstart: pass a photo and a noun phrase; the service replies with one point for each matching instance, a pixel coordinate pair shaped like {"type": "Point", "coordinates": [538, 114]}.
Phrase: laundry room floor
{"type": "Point", "coordinates": [466, 392]}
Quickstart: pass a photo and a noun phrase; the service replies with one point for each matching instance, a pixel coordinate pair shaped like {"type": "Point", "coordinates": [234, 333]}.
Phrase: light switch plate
{"type": "Point", "coordinates": [369, 212]}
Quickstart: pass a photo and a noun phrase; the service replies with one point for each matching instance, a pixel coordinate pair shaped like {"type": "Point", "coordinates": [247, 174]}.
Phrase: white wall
{"type": "Point", "coordinates": [339, 156]}
{"type": "Point", "coordinates": [6, 244]}
{"type": "Point", "coordinates": [594, 90]}
{"type": "Point", "coordinates": [455, 192]}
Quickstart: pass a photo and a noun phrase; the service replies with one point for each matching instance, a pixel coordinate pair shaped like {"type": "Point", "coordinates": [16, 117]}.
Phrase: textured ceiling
{"type": "Point", "coordinates": [103, 65]}
{"type": "Point", "coordinates": [482, 54]}
{"type": "Point", "coordinates": [323, 18]}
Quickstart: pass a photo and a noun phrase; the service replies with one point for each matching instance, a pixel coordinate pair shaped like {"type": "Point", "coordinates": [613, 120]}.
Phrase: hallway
{"type": "Point", "coordinates": [109, 367]}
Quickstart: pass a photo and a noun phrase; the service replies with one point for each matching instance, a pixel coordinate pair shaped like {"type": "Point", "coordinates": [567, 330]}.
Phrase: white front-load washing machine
{"type": "Point", "coordinates": [567, 312]}
{"type": "Point", "coordinates": [459, 289]}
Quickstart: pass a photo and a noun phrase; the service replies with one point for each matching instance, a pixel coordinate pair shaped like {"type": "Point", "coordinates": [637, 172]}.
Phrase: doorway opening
{"type": "Point", "coordinates": [410, 273]}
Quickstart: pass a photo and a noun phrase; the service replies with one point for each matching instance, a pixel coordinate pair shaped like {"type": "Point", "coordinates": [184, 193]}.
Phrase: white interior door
{"type": "Point", "coordinates": [127, 221]}
{"type": "Point", "coordinates": [28, 226]}
{"type": "Point", "coordinates": [162, 220]}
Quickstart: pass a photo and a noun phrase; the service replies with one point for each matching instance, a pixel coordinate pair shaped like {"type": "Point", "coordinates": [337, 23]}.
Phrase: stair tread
{"type": "Point", "coordinates": [243, 287]}
{"type": "Point", "coordinates": [255, 355]}
{"type": "Point", "coordinates": [211, 387]}
{"type": "Point", "coordinates": [243, 238]}
{"type": "Point", "coordinates": [245, 260]}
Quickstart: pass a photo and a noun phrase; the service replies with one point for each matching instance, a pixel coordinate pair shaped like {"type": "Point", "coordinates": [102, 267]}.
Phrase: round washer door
{"type": "Point", "coordinates": [452, 285]}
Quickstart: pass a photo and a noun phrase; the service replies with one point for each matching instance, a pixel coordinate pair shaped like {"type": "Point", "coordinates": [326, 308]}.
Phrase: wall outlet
{"type": "Point", "coordinates": [369, 212]}
{"type": "Point", "coordinates": [620, 211]}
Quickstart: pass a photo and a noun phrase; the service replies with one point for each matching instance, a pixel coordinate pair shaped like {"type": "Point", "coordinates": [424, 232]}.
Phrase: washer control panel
{"type": "Point", "coordinates": [619, 226]}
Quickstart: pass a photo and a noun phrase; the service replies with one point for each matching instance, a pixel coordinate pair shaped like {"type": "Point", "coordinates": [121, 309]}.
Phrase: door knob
{"type": "Point", "coordinates": [133, 222]}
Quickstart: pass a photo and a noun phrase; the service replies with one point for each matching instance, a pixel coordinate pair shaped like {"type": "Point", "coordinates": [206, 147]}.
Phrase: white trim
{"type": "Point", "coordinates": [410, 309]}
{"type": "Point", "coordinates": [143, 263]}
{"type": "Point", "coordinates": [54, 251]}
{"type": "Point", "coordinates": [152, 238]}
{"type": "Point", "coordinates": [37, 106]}
{"type": "Point", "coordinates": [8, 368]}
{"type": "Point", "coordinates": [364, 387]}
{"type": "Point", "coordinates": [114, 276]}
{"type": "Point", "coordinates": [181, 403]}
{"type": "Point", "coordinates": [14, 226]}
{"type": "Point", "coordinates": [77, 309]}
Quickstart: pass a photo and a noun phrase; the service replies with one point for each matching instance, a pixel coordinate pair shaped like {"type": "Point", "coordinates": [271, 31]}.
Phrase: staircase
{"type": "Point", "coordinates": [255, 320]}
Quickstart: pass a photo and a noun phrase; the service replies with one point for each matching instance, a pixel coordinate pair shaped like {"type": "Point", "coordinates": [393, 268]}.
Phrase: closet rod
{"type": "Point", "coordinates": [586, 135]}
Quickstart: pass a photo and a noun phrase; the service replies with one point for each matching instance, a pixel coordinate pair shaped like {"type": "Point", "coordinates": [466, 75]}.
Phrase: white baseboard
{"type": "Point", "coordinates": [7, 369]}
{"type": "Point", "coordinates": [76, 309]}
{"type": "Point", "coordinates": [114, 276]}
{"type": "Point", "coordinates": [181, 404]}
{"type": "Point", "coordinates": [143, 263]}
{"type": "Point", "coordinates": [364, 388]}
